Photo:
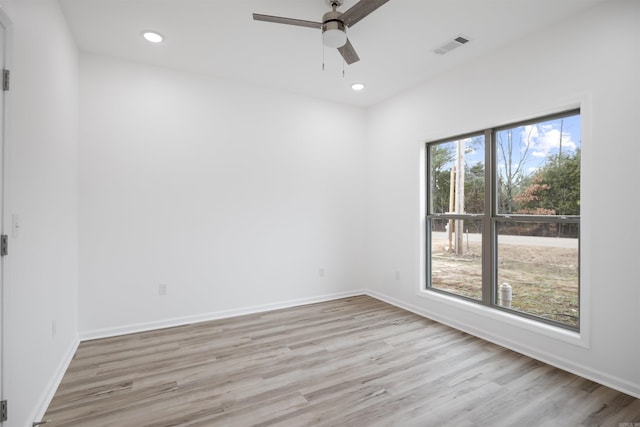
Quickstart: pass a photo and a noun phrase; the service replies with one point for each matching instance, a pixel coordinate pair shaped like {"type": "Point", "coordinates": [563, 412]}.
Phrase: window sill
{"type": "Point", "coordinates": [575, 338]}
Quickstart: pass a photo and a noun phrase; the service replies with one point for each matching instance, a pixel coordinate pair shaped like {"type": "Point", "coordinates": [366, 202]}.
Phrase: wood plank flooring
{"type": "Point", "coordinates": [350, 362]}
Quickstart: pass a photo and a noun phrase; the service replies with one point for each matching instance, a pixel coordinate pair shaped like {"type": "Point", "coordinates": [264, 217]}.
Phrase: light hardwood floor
{"type": "Point", "coordinates": [350, 362]}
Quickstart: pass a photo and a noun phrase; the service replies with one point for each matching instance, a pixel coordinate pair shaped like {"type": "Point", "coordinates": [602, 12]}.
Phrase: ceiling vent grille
{"type": "Point", "coordinates": [449, 45]}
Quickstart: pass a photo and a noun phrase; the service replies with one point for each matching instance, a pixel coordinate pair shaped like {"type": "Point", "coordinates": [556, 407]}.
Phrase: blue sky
{"type": "Point", "coordinates": [536, 142]}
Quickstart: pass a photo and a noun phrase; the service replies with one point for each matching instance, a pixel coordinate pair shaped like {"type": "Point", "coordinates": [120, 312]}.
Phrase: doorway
{"type": "Point", "coordinates": [4, 80]}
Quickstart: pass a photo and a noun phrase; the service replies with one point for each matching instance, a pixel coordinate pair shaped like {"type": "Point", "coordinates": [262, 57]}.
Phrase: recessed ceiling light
{"type": "Point", "coordinates": [357, 86]}
{"type": "Point", "coordinates": [152, 37]}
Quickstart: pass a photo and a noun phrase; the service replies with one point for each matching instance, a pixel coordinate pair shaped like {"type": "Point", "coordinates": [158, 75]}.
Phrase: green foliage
{"type": "Point", "coordinates": [474, 188]}
{"type": "Point", "coordinates": [554, 189]}
{"type": "Point", "coordinates": [441, 157]}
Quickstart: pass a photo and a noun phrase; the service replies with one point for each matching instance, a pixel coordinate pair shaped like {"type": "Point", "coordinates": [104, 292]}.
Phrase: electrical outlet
{"type": "Point", "coordinates": [162, 289]}
{"type": "Point", "coordinates": [321, 272]}
{"type": "Point", "coordinates": [54, 328]}
{"type": "Point", "coordinates": [397, 274]}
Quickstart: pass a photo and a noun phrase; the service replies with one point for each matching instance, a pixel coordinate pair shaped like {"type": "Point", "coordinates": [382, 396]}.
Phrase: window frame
{"type": "Point", "coordinates": [490, 218]}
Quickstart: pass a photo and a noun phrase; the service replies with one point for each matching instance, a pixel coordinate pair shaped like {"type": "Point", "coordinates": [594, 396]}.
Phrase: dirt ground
{"type": "Point", "coordinates": [544, 280]}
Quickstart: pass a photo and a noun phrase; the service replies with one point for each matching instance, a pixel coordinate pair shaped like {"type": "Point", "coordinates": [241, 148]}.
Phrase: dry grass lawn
{"type": "Point", "coordinates": [544, 280]}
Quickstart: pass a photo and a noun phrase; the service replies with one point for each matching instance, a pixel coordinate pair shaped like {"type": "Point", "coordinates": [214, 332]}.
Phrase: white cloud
{"type": "Point", "coordinates": [545, 139]}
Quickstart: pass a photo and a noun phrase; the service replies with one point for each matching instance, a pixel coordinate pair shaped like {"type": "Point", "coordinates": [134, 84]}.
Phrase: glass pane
{"type": "Point", "coordinates": [539, 168]}
{"type": "Point", "coordinates": [538, 264]}
{"type": "Point", "coordinates": [456, 258]}
{"type": "Point", "coordinates": [457, 176]}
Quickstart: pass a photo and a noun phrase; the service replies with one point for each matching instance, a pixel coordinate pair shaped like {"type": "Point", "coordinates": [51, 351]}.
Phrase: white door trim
{"type": "Point", "coordinates": [5, 62]}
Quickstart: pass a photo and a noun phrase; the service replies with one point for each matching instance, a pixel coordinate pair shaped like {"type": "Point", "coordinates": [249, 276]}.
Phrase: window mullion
{"type": "Point", "coordinates": [488, 238]}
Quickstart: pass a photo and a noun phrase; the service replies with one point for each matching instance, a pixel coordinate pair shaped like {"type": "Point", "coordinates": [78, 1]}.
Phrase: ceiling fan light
{"type": "Point", "coordinates": [333, 34]}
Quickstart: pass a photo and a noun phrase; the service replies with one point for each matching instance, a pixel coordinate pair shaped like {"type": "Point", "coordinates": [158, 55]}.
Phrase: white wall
{"type": "Point", "coordinates": [235, 196]}
{"type": "Point", "coordinates": [232, 195]}
{"type": "Point", "coordinates": [592, 60]}
{"type": "Point", "coordinates": [41, 273]}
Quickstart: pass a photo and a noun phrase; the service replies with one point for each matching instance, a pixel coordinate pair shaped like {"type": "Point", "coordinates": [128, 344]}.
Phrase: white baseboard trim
{"type": "Point", "coordinates": [54, 382]}
{"type": "Point", "coordinates": [613, 382]}
{"type": "Point", "coordinates": [205, 317]}
{"type": "Point", "coordinates": [605, 379]}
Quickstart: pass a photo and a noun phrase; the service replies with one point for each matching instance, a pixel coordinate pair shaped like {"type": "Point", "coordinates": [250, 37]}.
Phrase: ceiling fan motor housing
{"type": "Point", "coordinates": [333, 29]}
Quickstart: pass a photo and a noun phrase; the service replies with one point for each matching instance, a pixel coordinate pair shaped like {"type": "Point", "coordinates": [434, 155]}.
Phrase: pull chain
{"type": "Point", "coordinates": [343, 61]}
{"type": "Point", "coordinates": [322, 56]}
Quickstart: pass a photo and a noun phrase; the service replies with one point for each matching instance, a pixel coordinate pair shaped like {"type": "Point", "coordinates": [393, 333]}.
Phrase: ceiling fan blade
{"type": "Point", "coordinates": [288, 21]}
{"type": "Point", "coordinates": [360, 10]}
{"type": "Point", "coordinates": [349, 53]}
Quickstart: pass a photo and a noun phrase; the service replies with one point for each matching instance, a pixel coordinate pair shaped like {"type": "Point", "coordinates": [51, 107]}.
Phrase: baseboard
{"type": "Point", "coordinates": [605, 379]}
{"type": "Point", "coordinates": [613, 382]}
{"type": "Point", "coordinates": [224, 314]}
{"type": "Point", "coordinates": [55, 381]}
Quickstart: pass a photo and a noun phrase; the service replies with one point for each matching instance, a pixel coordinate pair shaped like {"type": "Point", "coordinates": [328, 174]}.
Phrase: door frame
{"type": "Point", "coordinates": [5, 62]}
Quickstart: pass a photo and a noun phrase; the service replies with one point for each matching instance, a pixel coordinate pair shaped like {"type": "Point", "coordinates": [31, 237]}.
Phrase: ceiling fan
{"type": "Point", "coordinates": [334, 24]}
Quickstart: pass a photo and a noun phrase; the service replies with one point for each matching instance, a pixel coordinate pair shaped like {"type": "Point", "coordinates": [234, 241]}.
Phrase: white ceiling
{"type": "Point", "coordinates": [395, 43]}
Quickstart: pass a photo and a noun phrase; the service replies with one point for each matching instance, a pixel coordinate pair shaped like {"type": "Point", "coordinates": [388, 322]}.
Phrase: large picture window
{"type": "Point", "coordinates": [503, 218]}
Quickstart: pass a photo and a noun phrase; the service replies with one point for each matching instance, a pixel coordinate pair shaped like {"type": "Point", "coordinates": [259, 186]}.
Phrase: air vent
{"type": "Point", "coordinates": [449, 45]}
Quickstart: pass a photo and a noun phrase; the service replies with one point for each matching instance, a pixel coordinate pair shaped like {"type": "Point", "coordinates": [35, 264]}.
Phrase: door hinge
{"type": "Point", "coordinates": [6, 76]}
{"type": "Point", "coordinates": [4, 245]}
{"type": "Point", "coordinates": [3, 411]}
